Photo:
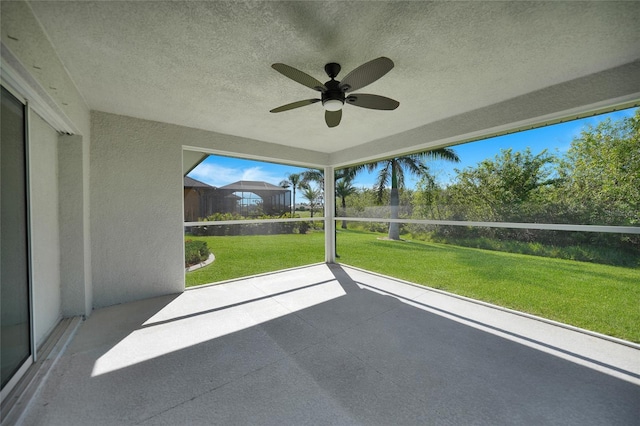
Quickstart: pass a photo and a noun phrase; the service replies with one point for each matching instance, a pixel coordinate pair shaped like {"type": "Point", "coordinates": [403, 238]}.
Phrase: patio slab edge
{"type": "Point", "coordinates": [508, 310]}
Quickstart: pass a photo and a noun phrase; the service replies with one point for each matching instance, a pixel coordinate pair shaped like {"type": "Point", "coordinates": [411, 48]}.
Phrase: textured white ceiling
{"type": "Point", "coordinates": [207, 64]}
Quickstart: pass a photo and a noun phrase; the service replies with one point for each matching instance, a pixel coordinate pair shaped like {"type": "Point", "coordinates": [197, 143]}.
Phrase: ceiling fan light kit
{"type": "Point", "coordinates": [333, 92]}
{"type": "Point", "coordinates": [332, 104]}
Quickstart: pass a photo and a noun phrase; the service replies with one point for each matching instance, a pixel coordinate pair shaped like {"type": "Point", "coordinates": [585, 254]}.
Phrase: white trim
{"type": "Point", "coordinates": [182, 247]}
{"type": "Point", "coordinates": [517, 225]}
{"type": "Point", "coordinates": [329, 214]}
{"type": "Point", "coordinates": [11, 90]}
{"type": "Point", "coordinates": [253, 221]}
{"type": "Point", "coordinates": [603, 107]}
{"type": "Point", "coordinates": [15, 76]}
{"type": "Point", "coordinates": [248, 156]}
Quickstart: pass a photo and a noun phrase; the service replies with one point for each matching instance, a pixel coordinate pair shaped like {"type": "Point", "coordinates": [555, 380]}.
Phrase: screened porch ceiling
{"type": "Point", "coordinates": [462, 70]}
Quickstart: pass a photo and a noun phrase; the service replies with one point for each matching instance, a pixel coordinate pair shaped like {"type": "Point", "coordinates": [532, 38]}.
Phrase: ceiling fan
{"type": "Point", "coordinates": [334, 93]}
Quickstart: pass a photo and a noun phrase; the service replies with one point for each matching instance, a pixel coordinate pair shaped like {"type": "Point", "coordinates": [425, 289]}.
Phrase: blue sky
{"type": "Point", "coordinates": [220, 171]}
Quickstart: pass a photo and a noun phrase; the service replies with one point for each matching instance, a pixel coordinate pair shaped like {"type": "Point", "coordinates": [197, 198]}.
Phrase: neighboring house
{"type": "Point", "coordinates": [198, 199]}
{"type": "Point", "coordinates": [256, 198]}
{"type": "Point", "coordinates": [247, 198]}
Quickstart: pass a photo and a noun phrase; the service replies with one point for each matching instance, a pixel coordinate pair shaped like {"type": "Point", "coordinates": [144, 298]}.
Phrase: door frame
{"type": "Point", "coordinates": [4, 392]}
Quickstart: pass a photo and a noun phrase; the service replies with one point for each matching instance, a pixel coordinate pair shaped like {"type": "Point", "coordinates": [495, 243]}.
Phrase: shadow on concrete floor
{"type": "Point", "coordinates": [313, 347]}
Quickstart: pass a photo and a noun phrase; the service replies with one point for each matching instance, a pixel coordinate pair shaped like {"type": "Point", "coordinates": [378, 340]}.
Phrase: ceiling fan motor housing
{"type": "Point", "coordinates": [333, 92]}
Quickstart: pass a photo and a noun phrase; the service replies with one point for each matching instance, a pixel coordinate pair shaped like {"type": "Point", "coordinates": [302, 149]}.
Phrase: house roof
{"type": "Point", "coordinates": [192, 183]}
{"type": "Point", "coordinates": [462, 69]}
{"type": "Point", "coordinates": [252, 186]}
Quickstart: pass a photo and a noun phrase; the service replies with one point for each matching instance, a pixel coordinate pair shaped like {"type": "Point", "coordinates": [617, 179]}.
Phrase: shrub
{"type": "Point", "coordinates": [195, 252]}
{"type": "Point", "coordinates": [303, 227]}
{"type": "Point", "coordinates": [254, 228]}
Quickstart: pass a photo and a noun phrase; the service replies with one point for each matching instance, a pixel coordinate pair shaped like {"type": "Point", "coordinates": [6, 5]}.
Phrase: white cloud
{"type": "Point", "coordinates": [220, 176]}
{"type": "Point", "coordinates": [259, 174]}
{"type": "Point", "coordinates": [215, 175]}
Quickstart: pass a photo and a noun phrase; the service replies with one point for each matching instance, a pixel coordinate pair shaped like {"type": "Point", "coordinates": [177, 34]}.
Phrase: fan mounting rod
{"type": "Point", "coordinates": [332, 69]}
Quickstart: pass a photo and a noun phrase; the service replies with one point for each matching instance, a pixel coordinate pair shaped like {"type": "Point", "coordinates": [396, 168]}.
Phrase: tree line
{"type": "Point", "coordinates": [596, 182]}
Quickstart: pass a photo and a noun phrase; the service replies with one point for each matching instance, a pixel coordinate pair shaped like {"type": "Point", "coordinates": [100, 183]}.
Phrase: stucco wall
{"type": "Point", "coordinates": [45, 235]}
{"type": "Point", "coordinates": [136, 209]}
{"type": "Point", "coordinates": [136, 201]}
{"type": "Point", "coordinates": [73, 178]}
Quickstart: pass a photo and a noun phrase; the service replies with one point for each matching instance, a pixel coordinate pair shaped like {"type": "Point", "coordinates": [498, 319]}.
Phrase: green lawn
{"type": "Point", "coordinates": [602, 298]}
{"type": "Point", "coordinates": [241, 256]}
{"type": "Point", "coordinates": [307, 213]}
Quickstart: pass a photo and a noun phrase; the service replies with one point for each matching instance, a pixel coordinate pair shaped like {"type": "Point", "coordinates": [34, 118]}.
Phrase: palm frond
{"type": "Point", "coordinates": [382, 180]}
{"type": "Point", "coordinates": [313, 175]}
{"type": "Point", "coordinates": [349, 173]}
{"type": "Point", "coordinates": [447, 154]}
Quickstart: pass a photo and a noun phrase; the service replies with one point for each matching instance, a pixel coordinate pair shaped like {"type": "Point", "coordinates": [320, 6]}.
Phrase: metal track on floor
{"type": "Point", "coordinates": [17, 402]}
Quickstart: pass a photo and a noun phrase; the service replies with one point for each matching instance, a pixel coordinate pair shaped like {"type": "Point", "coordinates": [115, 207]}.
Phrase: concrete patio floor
{"type": "Point", "coordinates": [332, 345]}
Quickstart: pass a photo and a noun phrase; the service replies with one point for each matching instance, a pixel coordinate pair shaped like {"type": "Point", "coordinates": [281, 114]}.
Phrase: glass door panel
{"type": "Point", "coordinates": [14, 272]}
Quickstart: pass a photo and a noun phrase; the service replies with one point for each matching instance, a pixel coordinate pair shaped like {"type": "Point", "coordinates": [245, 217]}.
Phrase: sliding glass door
{"type": "Point", "coordinates": [14, 250]}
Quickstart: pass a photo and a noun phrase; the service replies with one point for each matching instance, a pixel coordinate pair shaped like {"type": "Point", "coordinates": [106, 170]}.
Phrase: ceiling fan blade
{"type": "Point", "coordinates": [366, 74]}
{"type": "Point", "coordinates": [333, 117]}
{"type": "Point", "coordinates": [293, 105]}
{"type": "Point", "coordinates": [372, 101]}
{"type": "Point", "coordinates": [299, 76]}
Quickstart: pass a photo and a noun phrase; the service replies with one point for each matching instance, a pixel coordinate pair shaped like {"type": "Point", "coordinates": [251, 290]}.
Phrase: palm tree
{"type": "Point", "coordinates": [313, 175]}
{"type": "Point", "coordinates": [317, 176]}
{"type": "Point", "coordinates": [344, 188]}
{"type": "Point", "coordinates": [293, 181]}
{"type": "Point", "coordinates": [392, 171]}
{"type": "Point", "coordinates": [312, 194]}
